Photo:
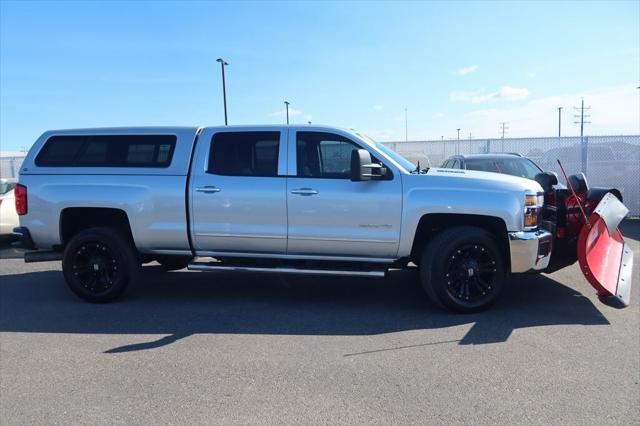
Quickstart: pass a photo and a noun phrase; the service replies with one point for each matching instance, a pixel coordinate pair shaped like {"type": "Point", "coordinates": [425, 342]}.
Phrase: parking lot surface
{"type": "Point", "coordinates": [187, 348]}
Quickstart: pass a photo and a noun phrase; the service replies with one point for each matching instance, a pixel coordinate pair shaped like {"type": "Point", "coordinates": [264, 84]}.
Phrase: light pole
{"type": "Point", "coordinates": [406, 127]}
{"type": "Point", "coordinates": [559, 120]}
{"type": "Point", "coordinates": [458, 144]}
{"type": "Point", "coordinates": [286, 104]}
{"type": "Point", "coordinates": [224, 63]}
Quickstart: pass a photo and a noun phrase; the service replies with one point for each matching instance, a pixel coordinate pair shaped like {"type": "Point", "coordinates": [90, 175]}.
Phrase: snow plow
{"type": "Point", "coordinates": [584, 222]}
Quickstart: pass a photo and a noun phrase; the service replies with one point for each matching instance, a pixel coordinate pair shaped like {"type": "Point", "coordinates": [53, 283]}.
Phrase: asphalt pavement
{"type": "Point", "coordinates": [222, 348]}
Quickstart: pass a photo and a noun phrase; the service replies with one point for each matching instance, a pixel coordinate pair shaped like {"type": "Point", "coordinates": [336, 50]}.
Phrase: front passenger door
{"type": "Point", "coordinates": [330, 215]}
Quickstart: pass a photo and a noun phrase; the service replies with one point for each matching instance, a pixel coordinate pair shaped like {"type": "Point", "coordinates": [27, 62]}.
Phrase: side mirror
{"type": "Point", "coordinates": [362, 167]}
{"type": "Point", "coordinates": [547, 180]}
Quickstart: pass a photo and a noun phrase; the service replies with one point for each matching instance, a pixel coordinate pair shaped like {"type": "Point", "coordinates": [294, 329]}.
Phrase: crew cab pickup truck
{"type": "Point", "coordinates": [282, 199]}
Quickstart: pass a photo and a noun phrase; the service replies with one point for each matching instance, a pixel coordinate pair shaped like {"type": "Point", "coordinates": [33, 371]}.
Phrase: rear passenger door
{"type": "Point", "coordinates": [238, 192]}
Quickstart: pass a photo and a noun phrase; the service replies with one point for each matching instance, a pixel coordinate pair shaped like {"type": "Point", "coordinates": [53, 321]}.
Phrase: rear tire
{"type": "Point", "coordinates": [463, 270]}
{"type": "Point", "coordinates": [99, 263]}
{"type": "Point", "coordinates": [174, 263]}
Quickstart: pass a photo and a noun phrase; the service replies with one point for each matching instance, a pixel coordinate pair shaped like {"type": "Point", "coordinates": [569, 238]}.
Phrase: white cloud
{"type": "Point", "coordinates": [378, 107]}
{"type": "Point", "coordinates": [509, 93]}
{"type": "Point", "coordinates": [467, 70]}
{"type": "Point", "coordinates": [531, 75]}
{"type": "Point", "coordinates": [614, 110]}
{"type": "Point", "coordinates": [438, 115]}
{"type": "Point", "coordinates": [506, 93]}
{"type": "Point", "coordinates": [283, 112]}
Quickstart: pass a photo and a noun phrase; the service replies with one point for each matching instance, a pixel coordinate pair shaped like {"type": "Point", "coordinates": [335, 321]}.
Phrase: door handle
{"type": "Point", "coordinates": [304, 191]}
{"type": "Point", "coordinates": [208, 189]}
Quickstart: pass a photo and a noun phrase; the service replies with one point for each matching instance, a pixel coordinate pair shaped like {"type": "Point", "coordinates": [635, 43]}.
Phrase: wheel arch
{"type": "Point", "coordinates": [431, 224]}
{"type": "Point", "coordinates": [76, 219]}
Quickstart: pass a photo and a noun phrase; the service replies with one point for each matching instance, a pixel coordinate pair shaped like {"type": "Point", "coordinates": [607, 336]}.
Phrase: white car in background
{"type": "Point", "coordinates": [8, 214]}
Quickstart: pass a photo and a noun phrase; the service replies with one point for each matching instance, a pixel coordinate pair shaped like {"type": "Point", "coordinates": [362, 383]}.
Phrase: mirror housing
{"type": "Point", "coordinates": [363, 168]}
{"type": "Point", "coordinates": [547, 180]}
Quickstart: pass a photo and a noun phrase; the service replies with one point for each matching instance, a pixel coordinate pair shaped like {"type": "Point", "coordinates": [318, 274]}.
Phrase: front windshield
{"type": "Point", "coordinates": [521, 167]}
{"type": "Point", "coordinates": [406, 164]}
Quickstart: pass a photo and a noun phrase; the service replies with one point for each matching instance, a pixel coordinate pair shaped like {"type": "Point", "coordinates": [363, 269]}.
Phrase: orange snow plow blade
{"type": "Point", "coordinates": [605, 259]}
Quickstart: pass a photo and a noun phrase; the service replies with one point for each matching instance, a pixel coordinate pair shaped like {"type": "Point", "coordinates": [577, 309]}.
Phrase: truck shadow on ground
{"type": "Point", "coordinates": [180, 304]}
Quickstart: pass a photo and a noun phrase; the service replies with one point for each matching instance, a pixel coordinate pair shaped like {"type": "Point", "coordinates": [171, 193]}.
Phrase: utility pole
{"type": "Point", "coordinates": [406, 127]}
{"type": "Point", "coordinates": [583, 143]}
{"type": "Point", "coordinates": [581, 116]}
{"type": "Point", "coordinates": [458, 144]}
{"type": "Point", "coordinates": [504, 127]}
{"type": "Point", "coordinates": [286, 104]}
{"type": "Point", "coordinates": [559, 120]}
{"type": "Point", "coordinates": [224, 63]}
{"type": "Point", "coordinates": [469, 135]}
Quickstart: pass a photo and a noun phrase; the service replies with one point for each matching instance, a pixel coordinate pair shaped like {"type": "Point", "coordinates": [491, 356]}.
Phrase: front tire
{"type": "Point", "coordinates": [463, 270]}
{"type": "Point", "coordinates": [99, 263]}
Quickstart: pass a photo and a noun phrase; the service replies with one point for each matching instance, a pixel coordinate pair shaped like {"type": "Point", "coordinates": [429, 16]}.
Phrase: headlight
{"type": "Point", "coordinates": [533, 203]}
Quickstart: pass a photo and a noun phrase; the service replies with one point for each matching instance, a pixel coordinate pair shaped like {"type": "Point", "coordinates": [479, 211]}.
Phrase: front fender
{"type": "Point", "coordinates": [497, 203]}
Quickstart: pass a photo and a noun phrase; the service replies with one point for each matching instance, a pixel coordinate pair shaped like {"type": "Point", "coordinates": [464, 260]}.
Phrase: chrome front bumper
{"type": "Point", "coordinates": [530, 251]}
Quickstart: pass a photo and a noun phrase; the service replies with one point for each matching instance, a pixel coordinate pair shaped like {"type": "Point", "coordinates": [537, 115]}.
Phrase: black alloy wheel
{"type": "Point", "coordinates": [99, 263]}
{"type": "Point", "coordinates": [462, 269]}
{"type": "Point", "coordinates": [470, 274]}
{"type": "Point", "coordinates": [95, 268]}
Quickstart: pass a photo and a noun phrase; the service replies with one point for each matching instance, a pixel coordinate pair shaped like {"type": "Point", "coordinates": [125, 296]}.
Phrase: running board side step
{"type": "Point", "coordinates": [216, 266]}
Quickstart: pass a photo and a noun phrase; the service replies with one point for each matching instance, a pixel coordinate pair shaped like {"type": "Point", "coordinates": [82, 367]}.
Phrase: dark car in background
{"type": "Point", "coordinates": [507, 163]}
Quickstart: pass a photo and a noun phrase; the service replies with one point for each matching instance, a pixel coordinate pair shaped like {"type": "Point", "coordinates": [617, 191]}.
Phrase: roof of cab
{"type": "Point", "coordinates": [137, 129]}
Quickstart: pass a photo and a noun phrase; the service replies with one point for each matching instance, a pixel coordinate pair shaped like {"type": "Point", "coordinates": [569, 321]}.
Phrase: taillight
{"type": "Point", "coordinates": [20, 194]}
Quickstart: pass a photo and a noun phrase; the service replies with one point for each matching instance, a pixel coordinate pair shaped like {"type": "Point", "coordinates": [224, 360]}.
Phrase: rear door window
{"type": "Point", "coordinates": [244, 154]}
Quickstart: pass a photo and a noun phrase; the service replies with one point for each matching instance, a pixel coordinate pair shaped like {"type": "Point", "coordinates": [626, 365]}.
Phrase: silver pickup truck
{"type": "Point", "coordinates": [282, 199]}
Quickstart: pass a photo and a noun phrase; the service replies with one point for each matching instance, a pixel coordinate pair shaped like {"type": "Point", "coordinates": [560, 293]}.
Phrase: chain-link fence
{"type": "Point", "coordinates": [10, 166]}
{"type": "Point", "coordinates": [607, 161]}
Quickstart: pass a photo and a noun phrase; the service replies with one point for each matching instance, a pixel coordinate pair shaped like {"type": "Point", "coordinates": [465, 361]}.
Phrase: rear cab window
{"type": "Point", "coordinates": [107, 151]}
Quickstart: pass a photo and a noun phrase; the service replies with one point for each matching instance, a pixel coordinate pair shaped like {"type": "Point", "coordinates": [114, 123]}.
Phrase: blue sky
{"type": "Point", "coordinates": [451, 64]}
